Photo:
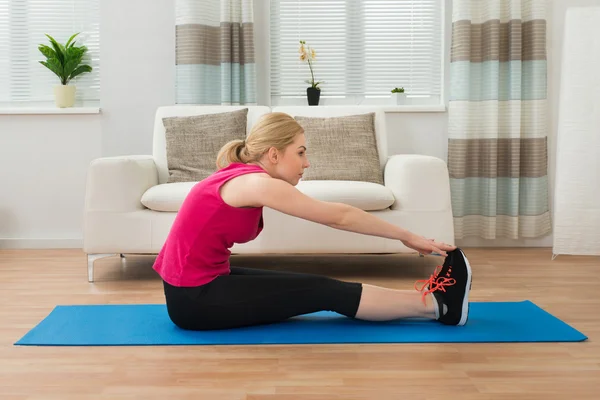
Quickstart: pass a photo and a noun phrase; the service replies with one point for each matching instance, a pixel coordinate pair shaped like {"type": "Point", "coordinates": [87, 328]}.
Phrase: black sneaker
{"type": "Point", "coordinates": [440, 271]}
{"type": "Point", "coordinates": [450, 287]}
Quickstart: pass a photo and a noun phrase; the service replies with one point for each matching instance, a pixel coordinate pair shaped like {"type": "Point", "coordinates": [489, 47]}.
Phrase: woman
{"type": "Point", "coordinates": [203, 292]}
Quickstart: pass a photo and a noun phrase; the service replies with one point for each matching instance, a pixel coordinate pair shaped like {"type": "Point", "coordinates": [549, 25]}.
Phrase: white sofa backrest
{"type": "Point", "coordinates": [341, 111]}
{"type": "Point", "coordinates": [159, 145]}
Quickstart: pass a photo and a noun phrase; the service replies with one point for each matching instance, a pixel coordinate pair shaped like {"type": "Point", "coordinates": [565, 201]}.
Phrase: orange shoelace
{"type": "Point", "coordinates": [435, 282]}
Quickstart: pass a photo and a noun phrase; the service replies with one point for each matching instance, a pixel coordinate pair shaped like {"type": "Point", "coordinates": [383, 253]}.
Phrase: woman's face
{"type": "Point", "coordinates": [292, 162]}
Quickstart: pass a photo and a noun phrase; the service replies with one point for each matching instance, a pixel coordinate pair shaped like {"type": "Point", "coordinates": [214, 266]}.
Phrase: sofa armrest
{"type": "Point", "coordinates": [418, 182]}
{"type": "Point", "coordinates": [117, 184]}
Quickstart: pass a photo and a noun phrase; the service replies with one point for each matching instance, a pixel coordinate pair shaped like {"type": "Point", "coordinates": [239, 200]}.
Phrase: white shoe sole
{"type": "Point", "coordinates": [465, 306]}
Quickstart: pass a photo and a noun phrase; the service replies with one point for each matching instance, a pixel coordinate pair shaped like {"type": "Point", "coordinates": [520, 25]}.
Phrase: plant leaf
{"type": "Point", "coordinates": [47, 51]}
{"type": "Point", "coordinates": [80, 70]}
{"type": "Point", "coordinates": [71, 38]}
{"type": "Point", "coordinates": [58, 48]}
{"type": "Point", "coordinates": [73, 58]}
{"type": "Point", "coordinates": [53, 65]}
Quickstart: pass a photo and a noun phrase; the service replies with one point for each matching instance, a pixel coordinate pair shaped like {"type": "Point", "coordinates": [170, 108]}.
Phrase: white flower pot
{"type": "Point", "coordinates": [64, 95]}
{"type": "Point", "coordinates": [398, 98]}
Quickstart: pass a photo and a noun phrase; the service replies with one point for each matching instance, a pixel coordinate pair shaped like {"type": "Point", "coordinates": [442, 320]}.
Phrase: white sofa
{"type": "Point", "coordinates": [129, 207]}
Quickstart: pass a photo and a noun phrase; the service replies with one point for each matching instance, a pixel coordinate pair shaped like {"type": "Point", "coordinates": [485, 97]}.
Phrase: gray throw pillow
{"type": "Point", "coordinates": [193, 142]}
{"type": "Point", "coordinates": [342, 148]}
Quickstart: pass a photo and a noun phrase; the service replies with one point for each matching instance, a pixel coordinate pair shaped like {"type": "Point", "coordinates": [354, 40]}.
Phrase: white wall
{"type": "Point", "coordinates": [42, 164]}
{"type": "Point", "coordinates": [137, 53]}
{"type": "Point", "coordinates": [44, 158]}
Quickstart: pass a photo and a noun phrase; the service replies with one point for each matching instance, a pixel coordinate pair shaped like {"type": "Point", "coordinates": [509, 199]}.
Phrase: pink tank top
{"type": "Point", "coordinates": [197, 248]}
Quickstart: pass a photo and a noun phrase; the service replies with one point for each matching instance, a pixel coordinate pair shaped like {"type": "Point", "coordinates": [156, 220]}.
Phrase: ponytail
{"type": "Point", "coordinates": [232, 152]}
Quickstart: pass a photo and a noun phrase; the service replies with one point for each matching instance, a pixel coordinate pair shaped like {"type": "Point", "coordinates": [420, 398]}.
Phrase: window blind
{"type": "Point", "coordinates": [23, 25]}
{"type": "Point", "coordinates": [364, 48]}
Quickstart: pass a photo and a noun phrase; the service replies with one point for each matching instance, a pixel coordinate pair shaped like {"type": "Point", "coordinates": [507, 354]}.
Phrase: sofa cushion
{"type": "Point", "coordinates": [193, 142]}
{"type": "Point", "coordinates": [367, 196]}
{"type": "Point", "coordinates": [342, 148]}
{"type": "Point", "coordinates": [167, 196]}
{"type": "Point", "coordinates": [364, 195]}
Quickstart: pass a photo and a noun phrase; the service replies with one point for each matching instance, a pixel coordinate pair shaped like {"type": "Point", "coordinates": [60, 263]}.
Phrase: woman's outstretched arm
{"type": "Point", "coordinates": [281, 196]}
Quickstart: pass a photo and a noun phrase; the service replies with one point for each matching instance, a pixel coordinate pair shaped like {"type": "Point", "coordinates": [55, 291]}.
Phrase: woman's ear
{"type": "Point", "coordinates": [273, 155]}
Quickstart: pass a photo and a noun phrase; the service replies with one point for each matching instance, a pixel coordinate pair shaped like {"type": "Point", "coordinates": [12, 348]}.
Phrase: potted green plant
{"type": "Point", "coordinates": [66, 61]}
{"type": "Point", "coordinates": [308, 54]}
{"type": "Point", "coordinates": [398, 96]}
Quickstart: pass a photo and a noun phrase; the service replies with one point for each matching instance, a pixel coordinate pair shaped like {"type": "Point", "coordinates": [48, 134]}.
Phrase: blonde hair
{"type": "Point", "coordinates": [275, 129]}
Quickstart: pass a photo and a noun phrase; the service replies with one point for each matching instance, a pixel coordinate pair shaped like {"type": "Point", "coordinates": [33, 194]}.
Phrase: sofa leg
{"type": "Point", "coordinates": [90, 261]}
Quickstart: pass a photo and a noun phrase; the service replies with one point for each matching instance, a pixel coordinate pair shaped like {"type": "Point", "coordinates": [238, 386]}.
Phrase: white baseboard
{"type": "Point", "coordinates": [17, 243]}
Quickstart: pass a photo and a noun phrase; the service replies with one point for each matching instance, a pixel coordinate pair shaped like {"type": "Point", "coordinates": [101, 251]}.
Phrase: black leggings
{"type": "Point", "coordinates": [252, 297]}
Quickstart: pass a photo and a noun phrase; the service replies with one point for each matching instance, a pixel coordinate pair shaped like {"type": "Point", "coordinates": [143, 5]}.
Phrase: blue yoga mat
{"type": "Point", "coordinates": [149, 324]}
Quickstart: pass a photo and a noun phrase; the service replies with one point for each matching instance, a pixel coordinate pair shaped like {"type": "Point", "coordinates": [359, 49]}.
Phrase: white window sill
{"type": "Point", "coordinates": [412, 105]}
{"type": "Point", "coordinates": [36, 110]}
{"type": "Point", "coordinates": [414, 108]}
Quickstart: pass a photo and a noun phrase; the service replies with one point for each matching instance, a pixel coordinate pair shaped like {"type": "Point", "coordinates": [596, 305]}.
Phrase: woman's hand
{"type": "Point", "coordinates": [427, 246]}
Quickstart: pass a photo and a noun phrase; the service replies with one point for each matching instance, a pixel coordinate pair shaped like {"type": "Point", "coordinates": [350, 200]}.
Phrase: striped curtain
{"type": "Point", "coordinates": [215, 52]}
{"type": "Point", "coordinates": [497, 139]}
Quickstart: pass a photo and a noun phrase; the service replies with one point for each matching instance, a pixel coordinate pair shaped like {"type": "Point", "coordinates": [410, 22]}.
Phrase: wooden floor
{"type": "Point", "coordinates": [32, 282]}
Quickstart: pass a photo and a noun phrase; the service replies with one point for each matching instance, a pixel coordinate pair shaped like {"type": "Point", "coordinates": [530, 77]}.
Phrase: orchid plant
{"type": "Point", "coordinates": [308, 54]}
